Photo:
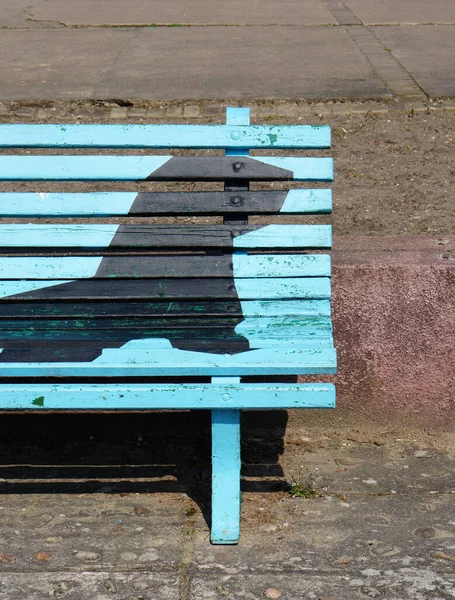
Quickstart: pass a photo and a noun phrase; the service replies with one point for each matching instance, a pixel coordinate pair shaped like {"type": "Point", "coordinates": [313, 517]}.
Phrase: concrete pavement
{"type": "Point", "coordinates": [78, 525]}
{"type": "Point", "coordinates": [174, 49]}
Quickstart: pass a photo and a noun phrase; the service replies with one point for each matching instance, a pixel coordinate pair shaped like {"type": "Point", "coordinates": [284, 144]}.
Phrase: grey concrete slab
{"type": "Point", "coordinates": [57, 63]}
{"type": "Point", "coordinates": [174, 63]}
{"type": "Point", "coordinates": [97, 532]}
{"type": "Point", "coordinates": [272, 62]}
{"type": "Point", "coordinates": [405, 11]}
{"type": "Point", "coordinates": [11, 10]}
{"type": "Point", "coordinates": [96, 586]}
{"type": "Point", "coordinates": [235, 12]}
{"type": "Point", "coordinates": [427, 52]}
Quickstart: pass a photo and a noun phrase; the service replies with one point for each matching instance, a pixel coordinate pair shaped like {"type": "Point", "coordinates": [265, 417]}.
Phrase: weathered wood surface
{"type": "Point", "coordinates": [159, 267]}
{"type": "Point", "coordinates": [99, 204]}
{"type": "Point", "coordinates": [169, 289]}
{"type": "Point", "coordinates": [134, 396]}
{"type": "Point", "coordinates": [165, 136]}
{"type": "Point", "coordinates": [164, 236]}
{"type": "Point", "coordinates": [135, 360]}
{"type": "Point", "coordinates": [167, 168]}
{"type": "Point", "coordinates": [96, 309]}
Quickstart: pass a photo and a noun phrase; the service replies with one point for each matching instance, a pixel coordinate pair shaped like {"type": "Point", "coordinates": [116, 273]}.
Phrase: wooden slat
{"type": "Point", "coordinates": [307, 201]}
{"type": "Point", "coordinates": [196, 339]}
{"type": "Point", "coordinates": [95, 309]}
{"type": "Point", "coordinates": [164, 136]}
{"type": "Point", "coordinates": [169, 289]}
{"type": "Point", "coordinates": [165, 236]}
{"type": "Point", "coordinates": [166, 396]}
{"type": "Point", "coordinates": [263, 325]}
{"type": "Point", "coordinates": [140, 362]}
{"type": "Point", "coordinates": [171, 168]}
{"type": "Point", "coordinates": [176, 266]}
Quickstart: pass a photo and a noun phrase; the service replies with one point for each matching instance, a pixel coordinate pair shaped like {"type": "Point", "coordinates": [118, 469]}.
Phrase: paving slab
{"type": "Point", "coordinates": [426, 52]}
{"type": "Point", "coordinates": [10, 10]}
{"type": "Point", "coordinates": [173, 63]}
{"type": "Point", "coordinates": [96, 586]}
{"type": "Point", "coordinates": [271, 62]}
{"type": "Point", "coordinates": [56, 63]}
{"type": "Point", "coordinates": [97, 532]}
{"type": "Point", "coordinates": [235, 12]}
{"type": "Point", "coordinates": [405, 11]}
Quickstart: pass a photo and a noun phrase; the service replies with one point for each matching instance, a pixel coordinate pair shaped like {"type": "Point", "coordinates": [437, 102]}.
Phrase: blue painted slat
{"type": "Point", "coordinates": [286, 236]}
{"type": "Point", "coordinates": [285, 287]}
{"type": "Point", "coordinates": [138, 396]}
{"type": "Point", "coordinates": [38, 235]}
{"type": "Point", "coordinates": [81, 267]}
{"type": "Point", "coordinates": [313, 169]}
{"type": "Point", "coordinates": [134, 361]}
{"type": "Point", "coordinates": [134, 168]}
{"type": "Point", "coordinates": [226, 476]}
{"type": "Point", "coordinates": [273, 308]}
{"type": "Point", "coordinates": [139, 361]}
{"type": "Point", "coordinates": [279, 265]}
{"type": "Point", "coordinates": [247, 289]}
{"type": "Point", "coordinates": [49, 267]}
{"type": "Point", "coordinates": [305, 201]}
{"type": "Point", "coordinates": [29, 204]}
{"type": "Point", "coordinates": [10, 288]}
{"type": "Point", "coordinates": [278, 326]}
{"type": "Point", "coordinates": [100, 236]}
{"type": "Point", "coordinates": [234, 135]}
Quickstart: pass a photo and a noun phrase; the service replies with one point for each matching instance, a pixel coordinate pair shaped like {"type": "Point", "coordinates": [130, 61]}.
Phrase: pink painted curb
{"type": "Point", "coordinates": [394, 327]}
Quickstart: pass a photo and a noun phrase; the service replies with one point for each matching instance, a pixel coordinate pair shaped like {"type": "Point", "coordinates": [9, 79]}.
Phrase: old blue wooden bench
{"type": "Point", "coordinates": [127, 305]}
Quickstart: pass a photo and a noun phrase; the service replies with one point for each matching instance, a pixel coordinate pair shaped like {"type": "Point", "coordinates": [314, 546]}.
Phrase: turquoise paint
{"type": "Point", "coordinates": [133, 168]}
{"type": "Point", "coordinates": [143, 362]}
{"type": "Point", "coordinates": [73, 168]}
{"type": "Point", "coordinates": [236, 134]}
{"type": "Point", "coordinates": [225, 476]}
{"type": "Point", "coordinates": [47, 267]}
{"type": "Point", "coordinates": [66, 204]}
{"type": "Point", "coordinates": [11, 288]}
{"type": "Point", "coordinates": [280, 265]}
{"type": "Point", "coordinates": [286, 288]}
{"type": "Point", "coordinates": [305, 169]}
{"type": "Point", "coordinates": [286, 236]}
{"type": "Point", "coordinates": [273, 308]}
{"type": "Point", "coordinates": [76, 236]}
{"type": "Point", "coordinates": [142, 396]}
{"type": "Point", "coordinates": [307, 201]}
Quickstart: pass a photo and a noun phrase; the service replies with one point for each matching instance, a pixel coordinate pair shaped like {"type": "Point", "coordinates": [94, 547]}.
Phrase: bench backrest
{"type": "Point", "coordinates": [100, 279]}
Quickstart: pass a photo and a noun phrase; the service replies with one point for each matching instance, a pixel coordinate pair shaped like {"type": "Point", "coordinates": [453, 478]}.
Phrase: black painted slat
{"type": "Point", "coordinates": [62, 310]}
{"type": "Point", "coordinates": [176, 266]}
{"type": "Point", "coordinates": [141, 323]}
{"type": "Point", "coordinates": [178, 236]}
{"type": "Point", "coordinates": [218, 168]}
{"type": "Point", "coordinates": [121, 289]}
{"type": "Point", "coordinates": [208, 203]}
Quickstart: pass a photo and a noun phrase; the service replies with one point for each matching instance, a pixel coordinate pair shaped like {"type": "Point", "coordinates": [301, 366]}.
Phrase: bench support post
{"type": "Point", "coordinates": [225, 472]}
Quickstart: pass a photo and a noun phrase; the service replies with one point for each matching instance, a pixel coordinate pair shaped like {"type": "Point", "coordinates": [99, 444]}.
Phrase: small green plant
{"type": "Point", "coordinates": [303, 490]}
{"type": "Point", "coordinates": [190, 511]}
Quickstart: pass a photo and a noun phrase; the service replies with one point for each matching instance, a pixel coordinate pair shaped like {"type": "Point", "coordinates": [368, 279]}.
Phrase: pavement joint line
{"type": "Point", "coordinates": [341, 13]}
{"type": "Point", "coordinates": [187, 556]}
{"type": "Point", "coordinates": [397, 79]}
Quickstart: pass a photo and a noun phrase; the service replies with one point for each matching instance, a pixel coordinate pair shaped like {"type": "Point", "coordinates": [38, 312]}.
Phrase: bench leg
{"type": "Point", "coordinates": [225, 477]}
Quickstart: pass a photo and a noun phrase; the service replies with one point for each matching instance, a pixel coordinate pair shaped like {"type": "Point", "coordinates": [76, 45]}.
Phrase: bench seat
{"type": "Point", "coordinates": [166, 309]}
